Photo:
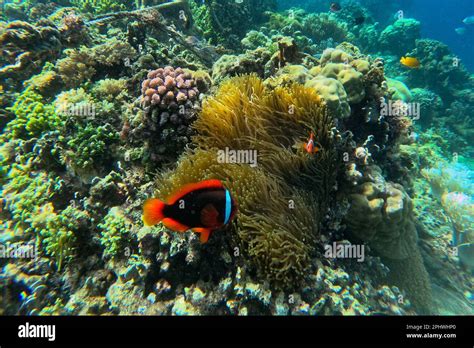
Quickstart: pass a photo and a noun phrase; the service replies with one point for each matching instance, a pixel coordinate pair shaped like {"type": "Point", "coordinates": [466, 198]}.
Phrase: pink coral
{"type": "Point", "coordinates": [167, 87]}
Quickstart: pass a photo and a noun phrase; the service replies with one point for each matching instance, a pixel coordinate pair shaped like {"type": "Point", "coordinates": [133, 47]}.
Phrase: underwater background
{"type": "Point", "coordinates": [341, 130]}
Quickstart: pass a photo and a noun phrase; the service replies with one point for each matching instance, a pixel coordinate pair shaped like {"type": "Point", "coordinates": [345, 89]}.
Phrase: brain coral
{"type": "Point", "coordinates": [351, 79]}
{"type": "Point", "coordinates": [333, 93]}
{"type": "Point", "coordinates": [381, 214]}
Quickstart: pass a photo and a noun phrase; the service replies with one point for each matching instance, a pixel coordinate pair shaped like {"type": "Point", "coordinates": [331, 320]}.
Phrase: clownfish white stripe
{"type": "Point", "coordinates": [228, 206]}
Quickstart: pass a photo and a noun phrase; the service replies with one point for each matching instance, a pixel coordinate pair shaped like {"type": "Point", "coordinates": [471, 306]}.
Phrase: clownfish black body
{"type": "Point", "coordinates": [202, 207]}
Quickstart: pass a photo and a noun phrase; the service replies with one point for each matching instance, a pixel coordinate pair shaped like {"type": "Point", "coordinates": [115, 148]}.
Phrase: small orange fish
{"type": "Point", "coordinates": [202, 207]}
{"type": "Point", "coordinates": [310, 146]}
{"type": "Point", "coordinates": [410, 62]}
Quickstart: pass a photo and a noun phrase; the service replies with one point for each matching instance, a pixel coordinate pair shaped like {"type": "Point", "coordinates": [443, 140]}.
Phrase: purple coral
{"type": "Point", "coordinates": [170, 98]}
{"type": "Point", "coordinates": [167, 87]}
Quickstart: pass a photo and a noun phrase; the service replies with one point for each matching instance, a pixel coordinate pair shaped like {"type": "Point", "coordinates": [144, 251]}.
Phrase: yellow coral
{"type": "Point", "coordinates": [333, 93]}
{"type": "Point", "coordinates": [351, 79]}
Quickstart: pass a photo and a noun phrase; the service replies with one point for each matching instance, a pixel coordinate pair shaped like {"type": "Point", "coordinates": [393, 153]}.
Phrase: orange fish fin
{"type": "Point", "coordinates": [204, 233]}
{"type": "Point", "coordinates": [209, 215]}
{"type": "Point", "coordinates": [174, 225]}
{"type": "Point", "coordinates": [213, 183]}
{"type": "Point", "coordinates": [153, 211]}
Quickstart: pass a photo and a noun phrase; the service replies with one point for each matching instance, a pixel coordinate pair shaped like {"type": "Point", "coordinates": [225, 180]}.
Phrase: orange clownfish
{"type": "Point", "coordinates": [410, 62]}
{"type": "Point", "coordinates": [309, 146]}
{"type": "Point", "coordinates": [202, 207]}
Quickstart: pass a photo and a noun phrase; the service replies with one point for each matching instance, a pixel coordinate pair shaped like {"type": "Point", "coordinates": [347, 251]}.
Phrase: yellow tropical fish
{"type": "Point", "coordinates": [410, 62]}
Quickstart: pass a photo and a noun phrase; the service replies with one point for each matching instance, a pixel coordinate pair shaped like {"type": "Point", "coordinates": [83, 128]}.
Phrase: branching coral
{"type": "Point", "coordinates": [83, 63]}
{"type": "Point", "coordinates": [33, 116]}
{"type": "Point", "coordinates": [98, 6]}
{"type": "Point", "coordinates": [220, 21]}
{"type": "Point", "coordinates": [57, 231]}
{"type": "Point", "coordinates": [319, 28]}
{"type": "Point", "coordinates": [170, 102]}
{"type": "Point", "coordinates": [24, 192]}
{"type": "Point", "coordinates": [113, 231]}
{"type": "Point", "coordinates": [111, 90]}
{"type": "Point", "coordinates": [89, 145]}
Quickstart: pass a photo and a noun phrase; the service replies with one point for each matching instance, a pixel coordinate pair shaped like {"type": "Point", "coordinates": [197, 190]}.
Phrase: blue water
{"type": "Point", "coordinates": [438, 18]}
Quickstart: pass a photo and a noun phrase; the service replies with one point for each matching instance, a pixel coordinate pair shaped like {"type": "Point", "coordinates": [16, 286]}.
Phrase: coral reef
{"type": "Point", "coordinates": [221, 21]}
{"type": "Point", "coordinates": [381, 215]}
{"type": "Point", "coordinates": [32, 116]}
{"type": "Point", "coordinates": [83, 63]}
{"type": "Point", "coordinates": [106, 103]}
{"type": "Point", "coordinates": [314, 31]}
{"type": "Point", "coordinates": [221, 126]}
{"type": "Point", "coordinates": [440, 72]}
{"type": "Point", "coordinates": [400, 37]}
